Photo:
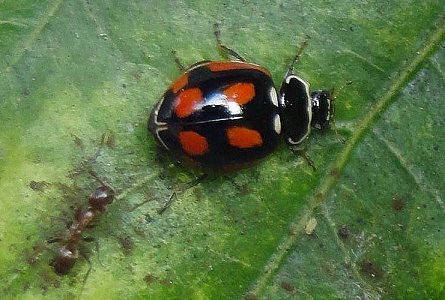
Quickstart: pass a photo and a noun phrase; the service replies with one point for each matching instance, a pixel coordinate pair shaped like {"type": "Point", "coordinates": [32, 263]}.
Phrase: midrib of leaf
{"type": "Point", "coordinates": [329, 179]}
{"type": "Point", "coordinates": [53, 8]}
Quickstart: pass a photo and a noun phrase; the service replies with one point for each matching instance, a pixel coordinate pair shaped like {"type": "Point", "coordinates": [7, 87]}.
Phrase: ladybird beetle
{"type": "Point", "coordinates": [225, 115]}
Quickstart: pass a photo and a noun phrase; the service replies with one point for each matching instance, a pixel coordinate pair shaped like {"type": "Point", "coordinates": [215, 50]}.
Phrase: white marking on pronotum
{"type": "Point", "coordinates": [309, 106]}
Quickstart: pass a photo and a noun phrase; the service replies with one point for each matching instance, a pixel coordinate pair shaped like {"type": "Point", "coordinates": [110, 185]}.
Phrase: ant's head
{"type": "Point", "coordinates": [101, 197]}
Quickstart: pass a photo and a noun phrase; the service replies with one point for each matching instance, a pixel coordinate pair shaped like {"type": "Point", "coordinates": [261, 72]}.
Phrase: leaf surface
{"type": "Point", "coordinates": [77, 83]}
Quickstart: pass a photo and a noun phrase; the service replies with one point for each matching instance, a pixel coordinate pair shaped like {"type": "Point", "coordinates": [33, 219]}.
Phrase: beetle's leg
{"type": "Point", "coordinates": [181, 189]}
{"type": "Point", "coordinates": [178, 62]}
{"type": "Point", "coordinates": [300, 151]}
{"type": "Point", "coordinates": [223, 50]}
{"type": "Point", "coordinates": [297, 55]}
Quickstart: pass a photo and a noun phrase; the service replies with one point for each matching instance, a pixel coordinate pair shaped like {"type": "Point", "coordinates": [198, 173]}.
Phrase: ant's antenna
{"type": "Point", "coordinates": [103, 183]}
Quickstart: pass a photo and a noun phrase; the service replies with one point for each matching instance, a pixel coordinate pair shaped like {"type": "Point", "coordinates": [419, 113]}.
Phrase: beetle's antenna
{"type": "Point", "coordinates": [335, 91]}
{"type": "Point", "coordinates": [300, 50]}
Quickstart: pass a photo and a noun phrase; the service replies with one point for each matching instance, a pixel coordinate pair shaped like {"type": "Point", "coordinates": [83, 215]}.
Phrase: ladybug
{"type": "Point", "coordinates": [226, 115]}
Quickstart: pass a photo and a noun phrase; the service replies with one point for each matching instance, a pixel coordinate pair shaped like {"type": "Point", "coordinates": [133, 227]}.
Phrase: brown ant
{"type": "Point", "coordinates": [68, 253]}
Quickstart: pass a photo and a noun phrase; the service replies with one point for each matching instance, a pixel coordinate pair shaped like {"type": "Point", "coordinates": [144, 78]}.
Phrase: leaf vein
{"type": "Point", "coordinates": [347, 258]}
{"type": "Point", "coordinates": [364, 59]}
{"type": "Point", "coordinates": [417, 178]}
{"type": "Point", "coordinates": [35, 33]}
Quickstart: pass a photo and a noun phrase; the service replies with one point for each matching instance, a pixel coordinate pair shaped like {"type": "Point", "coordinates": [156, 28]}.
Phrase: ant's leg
{"type": "Point", "coordinates": [84, 254]}
{"type": "Point", "coordinates": [223, 50]}
{"type": "Point", "coordinates": [54, 240]}
{"type": "Point", "coordinates": [103, 183]}
{"type": "Point", "coordinates": [83, 251]}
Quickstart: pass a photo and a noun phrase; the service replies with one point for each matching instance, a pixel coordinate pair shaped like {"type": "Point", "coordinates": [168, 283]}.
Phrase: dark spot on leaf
{"type": "Point", "coordinates": [127, 244]}
{"type": "Point", "coordinates": [149, 279]}
{"type": "Point", "coordinates": [436, 147]}
{"type": "Point", "coordinates": [140, 232]}
{"type": "Point", "coordinates": [110, 142]}
{"type": "Point", "coordinates": [397, 203]}
{"type": "Point", "coordinates": [38, 185]}
{"type": "Point", "coordinates": [360, 221]}
{"type": "Point", "coordinates": [319, 197]}
{"type": "Point", "coordinates": [166, 282]}
{"type": "Point", "coordinates": [244, 189]}
{"type": "Point", "coordinates": [293, 230]}
{"type": "Point", "coordinates": [343, 232]}
{"type": "Point", "coordinates": [32, 256]}
{"type": "Point", "coordinates": [287, 286]}
{"type": "Point", "coordinates": [148, 218]}
{"type": "Point", "coordinates": [335, 172]}
{"type": "Point", "coordinates": [78, 141]}
{"type": "Point", "coordinates": [370, 269]}
{"type": "Point", "coordinates": [250, 297]}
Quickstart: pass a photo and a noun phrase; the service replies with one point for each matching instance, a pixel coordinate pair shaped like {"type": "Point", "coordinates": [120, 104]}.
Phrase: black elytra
{"type": "Point", "coordinates": [219, 115]}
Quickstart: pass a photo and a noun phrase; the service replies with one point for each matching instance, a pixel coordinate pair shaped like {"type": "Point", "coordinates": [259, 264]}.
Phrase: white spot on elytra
{"type": "Point", "coordinates": [273, 96]}
{"type": "Point", "coordinates": [277, 124]}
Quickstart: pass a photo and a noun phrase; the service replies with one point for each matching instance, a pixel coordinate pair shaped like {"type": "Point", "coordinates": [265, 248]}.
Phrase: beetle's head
{"type": "Point", "coordinates": [322, 109]}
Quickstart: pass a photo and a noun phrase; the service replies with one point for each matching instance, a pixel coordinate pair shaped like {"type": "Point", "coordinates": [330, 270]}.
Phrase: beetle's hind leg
{"type": "Point", "coordinates": [296, 57]}
{"type": "Point", "coordinates": [178, 61]}
{"type": "Point", "coordinates": [223, 50]}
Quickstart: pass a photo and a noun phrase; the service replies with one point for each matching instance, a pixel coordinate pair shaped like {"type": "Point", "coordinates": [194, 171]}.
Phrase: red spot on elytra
{"type": "Point", "coordinates": [193, 143]}
{"type": "Point", "coordinates": [186, 100]}
{"type": "Point", "coordinates": [240, 92]}
{"type": "Point", "coordinates": [180, 83]}
{"type": "Point", "coordinates": [243, 137]}
{"type": "Point", "coordinates": [219, 66]}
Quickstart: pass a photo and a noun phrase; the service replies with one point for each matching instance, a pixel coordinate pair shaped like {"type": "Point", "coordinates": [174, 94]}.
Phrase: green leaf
{"type": "Point", "coordinates": [78, 80]}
